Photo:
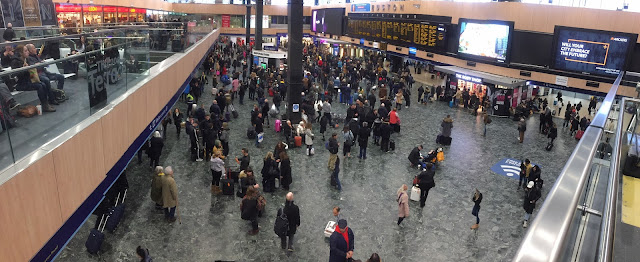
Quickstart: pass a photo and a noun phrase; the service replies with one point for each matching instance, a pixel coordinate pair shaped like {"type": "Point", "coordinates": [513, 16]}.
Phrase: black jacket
{"type": "Point", "coordinates": [249, 208]}
{"type": "Point", "coordinates": [177, 120]}
{"type": "Point", "coordinates": [414, 156]}
{"type": "Point", "coordinates": [531, 195]}
{"type": "Point", "coordinates": [244, 162]}
{"type": "Point", "coordinates": [363, 136]}
{"type": "Point", "coordinates": [333, 146]}
{"type": "Point", "coordinates": [426, 179]}
{"type": "Point", "coordinates": [385, 131]}
{"type": "Point", "coordinates": [8, 34]}
{"type": "Point", "coordinates": [338, 246]}
{"type": "Point", "coordinates": [258, 124]}
{"type": "Point", "coordinates": [293, 215]}
{"type": "Point", "coordinates": [156, 147]}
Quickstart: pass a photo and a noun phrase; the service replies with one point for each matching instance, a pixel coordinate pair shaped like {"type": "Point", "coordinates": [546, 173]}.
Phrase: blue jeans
{"type": "Point", "coordinates": [363, 152]}
{"type": "Point", "coordinates": [336, 171]}
{"type": "Point", "coordinates": [46, 77]}
{"type": "Point", "coordinates": [170, 212]}
{"type": "Point", "coordinates": [475, 211]}
{"type": "Point", "coordinates": [485, 130]}
{"type": "Point", "coordinates": [526, 216]}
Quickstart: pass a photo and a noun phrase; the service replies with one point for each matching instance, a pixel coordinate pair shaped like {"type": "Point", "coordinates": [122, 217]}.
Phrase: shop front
{"type": "Point", "coordinates": [69, 17]}
{"type": "Point", "coordinates": [110, 14]}
{"type": "Point", "coordinates": [270, 59]}
{"type": "Point", "coordinates": [123, 15]}
{"type": "Point", "coordinates": [482, 87]}
{"type": "Point", "coordinates": [91, 15]}
{"type": "Point", "coordinates": [137, 14]}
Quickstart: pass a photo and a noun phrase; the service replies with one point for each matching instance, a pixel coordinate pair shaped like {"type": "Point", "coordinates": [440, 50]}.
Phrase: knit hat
{"type": "Point", "coordinates": [342, 223]}
{"type": "Point", "coordinates": [530, 185]}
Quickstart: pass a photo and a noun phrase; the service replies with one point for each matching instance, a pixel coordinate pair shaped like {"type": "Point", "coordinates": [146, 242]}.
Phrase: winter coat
{"type": "Point", "coordinates": [338, 245]}
{"type": "Point", "coordinates": [393, 118]}
{"type": "Point", "coordinates": [169, 192]}
{"type": "Point", "coordinates": [403, 204]}
{"type": "Point", "coordinates": [425, 179]}
{"type": "Point", "coordinates": [217, 164]}
{"type": "Point", "coordinates": [308, 137]}
{"type": "Point", "coordinates": [285, 172]}
{"type": "Point", "coordinates": [333, 145]}
{"type": "Point", "coordinates": [530, 195]}
{"type": "Point", "coordinates": [248, 208]}
{"type": "Point", "coordinates": [385, 131]}
{"type": "Point", "coordinates": [293, 215]}
{"type": "Point", "coordinates": [363, 136]}
{"type": "Point", "coordinates": [447, 125]}
{"type": "Point", "coordinates": [156, 147]}
{"type": "Point", "coordinates": [414, 156]}
{"type": "Point", "coordinates": [156, 188]}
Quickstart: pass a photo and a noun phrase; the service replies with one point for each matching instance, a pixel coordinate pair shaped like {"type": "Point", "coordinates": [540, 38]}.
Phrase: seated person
{"type": "Point", "coordinates": [7, 97]}
{"type": "Point", "coordinates": [28, 82]}
{"type": "Point", "coordinates": [415, 157]}
{"type": "Point", "coordinates": [45, 76]}
{"type": "Point", "coordinates": [5, 58]}
{"type": "Point", "coordinates": [132, 64]}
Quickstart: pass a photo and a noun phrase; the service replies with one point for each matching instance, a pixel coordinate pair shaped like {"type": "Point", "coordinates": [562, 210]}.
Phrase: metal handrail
{"type": "Point", "coordinates": [547, 236]}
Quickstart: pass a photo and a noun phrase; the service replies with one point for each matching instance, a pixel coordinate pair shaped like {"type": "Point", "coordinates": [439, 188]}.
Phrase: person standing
{"type": "Point", "coordinates": [177, 120]}
{"type": "Point", "coordinates": [9, 34]}
{"type": "Point", "coordinates": [525, 170]}
{"type": "Point", "coordinates": [522, 126]}
{"type": "Point", "coordinates": [531, 196]}
{"type": "Point", "coordinates": [385, 135]}
{"type": "Point", "coordinates": [447, 125]}
{"type": "Point", "coordinates": [403, 203]}
{"type": "Point", "coordinates": [477, 198]}
{"type": "Point", "coordinates": [553, 133]}
{"type": "Point", "coordinates": [224, 138]}
{"type": "Point", "coordinates": [217, 170]}
{"type": "Point", "coordinates": [426, 182]}
{"type": "Point", "coordinates": [341, 243]}
{"type": "Point", "coordinates": [257, 124]}
{"type": "Point", "coordinates": [486, 120]}
{"type": "Point", "coordinates": [363, 140]}
{"type": "Point", "coordinates": [285, 170]}
{"type": "Point", "coordinates": [155, 150]}
{"type": "Point", "coordinates": [169, 195]}
{"type": "Point", "coordinates": [308, 139]}
{"type": "Point", "coordinates": [348, 141]}
{"type": "Point", "coordinates": [336, 172]}
{"type": "Point", "coordinates": [244, 160]}
{"type": "Point", "coordinates": [249, 209]}
{"type": "Point", "coordinates": [156, 187]}
{"type": "Point", "coordinates": [292, 212]}
{"type": "Point", "coordinates": [334, 147]}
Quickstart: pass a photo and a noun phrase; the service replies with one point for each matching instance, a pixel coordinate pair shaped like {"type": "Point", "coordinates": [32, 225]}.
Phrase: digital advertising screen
{"type": "Point", "coordinates": [485, 39]}
{"type": "Point", "coordinates": [590, 51]}
{"type": "Point", "coordinates": [423, 34]}
{"type": "Point", "coordinates": [328, 21]}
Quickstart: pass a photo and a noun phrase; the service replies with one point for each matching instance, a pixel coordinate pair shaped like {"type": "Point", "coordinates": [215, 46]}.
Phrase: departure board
{"type": "Point", "coordinates": [421, 34]}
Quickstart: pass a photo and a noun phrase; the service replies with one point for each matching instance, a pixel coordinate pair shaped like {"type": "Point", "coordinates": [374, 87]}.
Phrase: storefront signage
{"type": "Point", "coordinates": [270, 48]}
{"type": "Point", "coordinates": [92, 8]}
{"type": "Point", "coordinates": [467, 78]}
{"type": "Point", "coordinates": [62, 8]}
{"type": "Point", "coordinates": [123, 10]}
{"type": "Point", "coordinates": [137, 10]}
{"type": "Point", "coordinates": [562, 80]}
{"type": "Point", "coordinates": [226, 20]}
{"type": "Point", "coordinates": [263, 54]}
{"type": "Point", "coordinates": [364, 7]}
{"type": "Point", "coordinates": [102, 72]}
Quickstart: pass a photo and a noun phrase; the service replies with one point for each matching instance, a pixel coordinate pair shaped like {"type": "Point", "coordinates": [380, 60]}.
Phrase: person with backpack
{"type": "Point", "coordinates": [403, 203]}
{"type": "Point", "coordinates": [348, 141]}
{"type": "Point", "coordinates": [287, 221]}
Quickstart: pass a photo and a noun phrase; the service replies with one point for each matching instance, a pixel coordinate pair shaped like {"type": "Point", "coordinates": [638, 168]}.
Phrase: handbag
{"type": "Point", "coordinates": [33, 76]}
{"type": "Point", "coordinates": [260, 137]}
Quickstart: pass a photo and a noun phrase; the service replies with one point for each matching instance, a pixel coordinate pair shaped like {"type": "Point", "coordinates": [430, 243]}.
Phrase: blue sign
{"type": "Point", "coordinates": [336, 51]}
{"type": "Point", "coordinates": [412, 50]}
{"type": "Point", "coordinates": [362, 41]}
{"type": "Point", "coordinates": [270, 48]}
{"type": "Point", "coordinates": [295, 108]}
{"type": "Point", "coordinates": [361, 8]}
{"type": "Point", "coordinates": [508, 167]}
{"type": "Point", "coordinates": [256, 60]}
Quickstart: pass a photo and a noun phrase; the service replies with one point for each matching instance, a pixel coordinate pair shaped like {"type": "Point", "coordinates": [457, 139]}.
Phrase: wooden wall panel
{"type": "Point", "coordinates": [38, 198]}
{"type": "Point", "coordinates": [76, 180]}
{"type": "Point", "coordinates": [137, 112]}
{"type": "Point", "coordinates": [14, 243]}
{"type": "Point", "coordinates": [115, 129]}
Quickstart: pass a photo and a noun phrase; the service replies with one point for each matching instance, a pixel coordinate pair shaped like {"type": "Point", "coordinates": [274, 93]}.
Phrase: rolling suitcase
{"type": "Point", "coordinates": [96, 237]}
{"type": "Point", "coordinates": [392, 145]}
{"type": "Point", "coordinates": [116, 213]}
{"type": "Point", "coordinates": [277, 126]}
{"type": "Point", "coordinates": [233, 173]}
{"type": "Point", "coordinates": [251, 133]}
{"type": "Point", "coordinates": [579, 134]}
{"type": "Point", "coordinates": [298, 141]}
{"type": "Point", "coordinates": [227, 186]}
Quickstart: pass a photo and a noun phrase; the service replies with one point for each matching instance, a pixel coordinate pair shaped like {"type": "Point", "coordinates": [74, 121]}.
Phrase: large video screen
{"type": "Point", "coordinates": [485, 40]}
{"type": "Point", "coordinates": [591, 51]}
{"type": "Point", "coordinates": [420, 34]}
{"type": "Point", "coordinates": [328, 21]}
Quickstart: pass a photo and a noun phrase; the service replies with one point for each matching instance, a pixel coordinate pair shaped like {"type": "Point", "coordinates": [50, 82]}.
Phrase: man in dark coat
{"type": "Point", "coordinates": [426, 182]}
{"type": "Point", "coordinates": [363, 139]}
{"type": "Point", "coordinates": [155, 149]}
{"type": "Point", "coordinates": [341, 243]}
{"type": "Point", "coordinates": [9, 34]}
{"type": "Point", "coordinates": [292, 212]}
{"type": "Point", "coordinates": [214, 109]}
{"type": "Point", "coordinates": [385, 134]}
{"type": "Point", "coordinates": [531, 196]}
{"type": "Point", "coordinates": [244, 160]}
{"type": "Point", "coordinates": [414, 156]}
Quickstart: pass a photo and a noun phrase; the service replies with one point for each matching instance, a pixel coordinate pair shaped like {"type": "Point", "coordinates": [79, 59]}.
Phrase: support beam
{"type": "Point", "coordinates": [247, 25]}
{"type": "Point", "coordinates": [258, 25]}
{"type": "Point", "coordinates": [294, 59]}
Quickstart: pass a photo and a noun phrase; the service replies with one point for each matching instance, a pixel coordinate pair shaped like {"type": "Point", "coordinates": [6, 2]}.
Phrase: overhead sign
{"type": "Point", "coordinates": [412, 50]}
{"type": "Point", "coordinates": [270, 54]}
{"type": "Point", "coordinates": [467, 78]}
{"type": "Point", "coordinates": [226, 20]}
{"type": "Point", "coordinates": [364, 7]}
{"type": "Point", "coordinates": [562, 80]}
{"type": "Point", "coordinates": [508, 167]}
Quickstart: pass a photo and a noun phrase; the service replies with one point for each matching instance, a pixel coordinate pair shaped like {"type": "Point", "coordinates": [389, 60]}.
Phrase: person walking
{"type": "Point", "coordinates": [169, 195]}
{"type": "Point", "coordinates": [155, 150]}
{"type": "Point", "coordinates": [553, 133]}
{"type": "Point", "coordinates": [292, 212]}
{"type": "Point", "coordinates": [156, 186]}
{"type": "Point", "coordinates": [486, 121]}
{"type": "Point", "coordinates": [525, 170]}
{"type": "Point", "coordinates": [363, 139]}
{"type": "Point", "coordinates": [269, 172]}
{"type": "Point", "coordinates": [336, 172]}
{"type": "Point", "coordinates": [341, 243]}
{"type": "Point", "coordinates": [348, 141]}
{"type": "Point", "coordinates": [531, 196]}
{"type": "Point", "coordinates": [308, 139]}
{"type": "Point", "coordinates": [426, 182]}
{"type": "Point", "coordinates": [257, 124]}
{"type": "Point", "coordinates": [217, 170]}
{"type": "Point", "coordinates": [385, 135]}
{"type": "Point", "coordinates": [477, 199]}
{"type": "Point", "coordinates": [522, 126]}
{"type": "Point", "coordinates": [403, 203]}
{"type": "Point", "coordinates": [249, 209]}
{"type": "Point", "coordinates": [177, 120]}
{"type": "Point", "coordinates": [333, 147]}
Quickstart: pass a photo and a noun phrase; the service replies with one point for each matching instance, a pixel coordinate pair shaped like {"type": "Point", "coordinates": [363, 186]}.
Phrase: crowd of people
{"type": "Point", "coordinates": [374, 98]}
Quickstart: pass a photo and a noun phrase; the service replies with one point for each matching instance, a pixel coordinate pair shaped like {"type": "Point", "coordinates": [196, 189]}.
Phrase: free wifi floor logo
{"type": "Point", "coordinates": [508, 167]}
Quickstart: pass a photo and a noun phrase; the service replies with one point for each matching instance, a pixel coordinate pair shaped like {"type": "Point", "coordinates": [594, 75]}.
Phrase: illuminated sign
{"type": "Point", "coordinates": [109, 9]}
{"type": "Point", "coordinates": [412, 50]}
{"type": "Point", "coordinates": [91, 8]}
{"type": "Point", "coordinates": [467, 78]}
{"type": "Point", "coordinates": [62, 8]}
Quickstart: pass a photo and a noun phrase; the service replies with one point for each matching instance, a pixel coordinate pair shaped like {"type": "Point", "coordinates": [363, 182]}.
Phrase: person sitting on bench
{"type": "Point", "coordinates": [28, 82]}
{"type": "Point", "coordinates": [45, 76]}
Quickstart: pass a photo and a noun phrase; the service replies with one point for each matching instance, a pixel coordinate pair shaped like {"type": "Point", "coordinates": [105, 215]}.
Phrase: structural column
{"type": "Point", "coordinates": [258, 25]}
{"type": "Point", "coordinates": [248, 39]}
{"type": "Point", "coordinates": [294, 60]}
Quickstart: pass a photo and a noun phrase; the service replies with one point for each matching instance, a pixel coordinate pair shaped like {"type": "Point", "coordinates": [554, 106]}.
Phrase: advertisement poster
{"type": "Point", "coordinates": [31, 13]}
{"type": "Point", "coordinates": [12, 12]}
{"type": "Point", "coordinates": [364, 7]}
{"type": "Point", "coordinates": [226, 20]}
{"type": "Point", "coordinates": [484, 40]}
{"type": "Point", "coordinates": [47, 12]}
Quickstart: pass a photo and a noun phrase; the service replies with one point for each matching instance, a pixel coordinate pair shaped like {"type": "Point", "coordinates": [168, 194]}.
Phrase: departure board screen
{"type": "Point", "coordinates": [425, 35]}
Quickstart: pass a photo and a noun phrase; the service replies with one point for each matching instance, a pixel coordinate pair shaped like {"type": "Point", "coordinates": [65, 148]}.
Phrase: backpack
{"type": "Point", "coordinates": [281, 226]}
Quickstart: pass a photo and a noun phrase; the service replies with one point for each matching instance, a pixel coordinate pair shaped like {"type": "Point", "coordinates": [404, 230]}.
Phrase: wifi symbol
{"type": "Point", "coordinates": [511, 171]}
